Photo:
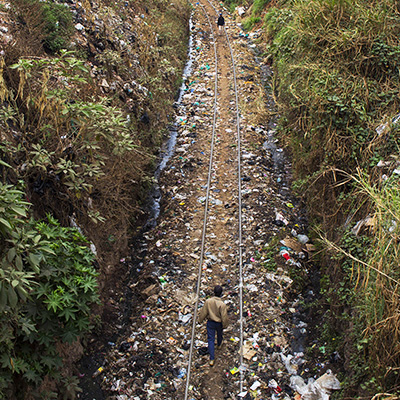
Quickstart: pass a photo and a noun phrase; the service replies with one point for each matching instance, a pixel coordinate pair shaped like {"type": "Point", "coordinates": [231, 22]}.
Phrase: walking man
{"type": "Point", "coordinates": [220, 23]}
{"type": "Point", "coordinates": [216, 312]}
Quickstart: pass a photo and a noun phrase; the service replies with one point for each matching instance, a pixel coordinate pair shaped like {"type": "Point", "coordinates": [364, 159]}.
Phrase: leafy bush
{"type": "Point", "coordinates": [90, 131]}
{"type": "Point", "coordinates": [43, 24]}
{"type": "Point", "coordinates": [47, 285]}
{"type": "Point", "coordinates": [337, 65]}
{"type": "Point", "coordinates": [58, 26]}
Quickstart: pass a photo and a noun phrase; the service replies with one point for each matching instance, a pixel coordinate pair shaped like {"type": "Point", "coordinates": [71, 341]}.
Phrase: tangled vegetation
{"type": "Point", "coordinates": [86, 94]}
{"type": "Point", "coordinates": [336, 84]}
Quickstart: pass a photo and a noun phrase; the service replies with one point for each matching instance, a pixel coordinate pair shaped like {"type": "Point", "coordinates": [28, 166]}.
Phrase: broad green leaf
{"type": "Point", "coordinates": [34, 260]}
{"type": "Point", "coordinates": [3, 297]}
{"type": "Point", "coordinates": [32, 376]}
{"type": "Point", "coordinates": [51, 361]}
{"type": "Point", "coordinates": [69, 313]}
{"type": "Point", "coordinates": [48, 250]}
{"type": "Point", "coordinates": [14, 283]}
{"type": "Point", "coordinates": [5, 223]}
{"type": "Point", "coordinates": [11, 254]}
{"type": "Point", "coordinates": [18, 210]}
{"type": "Point", "coordinates": [69, 336]}
{"type": "Point", "coordinates": [12, 297]}
{"type": "Point", "coordinates": [83, 323]}
{"type": "Point", "coordinates": [19, 365]}
{"type": "Point", "coordinates": [18, 262]}
{"type": "Point", "coordinates": [22, 293]}
{"type": "Point", "coordinates": [89, 284]}
{"type": "Point", "coordinates": [42, 290]}
{"type": "Point", "coordinates": [5, 361]}
{"type": "Point", "coordinates": [68, 297]}
{"type": "Point", "coordinates": [53, 302]}
{"type": "Point", "coordinates": [28, 327]}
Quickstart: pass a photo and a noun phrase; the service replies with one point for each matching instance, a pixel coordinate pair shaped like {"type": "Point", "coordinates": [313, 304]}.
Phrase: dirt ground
{"type": "Point", "coordinates": [144, 348]}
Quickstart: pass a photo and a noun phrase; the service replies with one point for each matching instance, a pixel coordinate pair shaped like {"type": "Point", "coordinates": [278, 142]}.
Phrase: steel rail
{"type": "Point", "coordinates": [240, 247]}
{"type": "Point", "coordinates": [239, 169]}
{"type": "Point", "coordinates": [203, 238]}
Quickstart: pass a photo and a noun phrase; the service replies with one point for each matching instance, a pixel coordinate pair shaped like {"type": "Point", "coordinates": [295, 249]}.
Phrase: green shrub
{"type": "Point", "coordinates": [47, 285]}
{"type": "Point", "coordinates": [58, 26]}
{"type": "Point", "coordinates": [43, 24]}
{"type": "Point", "coordinates": [336, 67]}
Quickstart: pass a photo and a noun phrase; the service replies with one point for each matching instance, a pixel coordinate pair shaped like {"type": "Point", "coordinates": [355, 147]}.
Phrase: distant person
{"type": "Point", "coordinates": [216, 312]}
{"type": "Point", "coordinates": [220, 23]}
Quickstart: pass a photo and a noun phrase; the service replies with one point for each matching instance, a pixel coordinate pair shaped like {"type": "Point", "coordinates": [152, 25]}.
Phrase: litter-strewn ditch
{"type": "Point", "coordinates": [147, 355]}
{"type": "Point", "coordinates": [93, 363]}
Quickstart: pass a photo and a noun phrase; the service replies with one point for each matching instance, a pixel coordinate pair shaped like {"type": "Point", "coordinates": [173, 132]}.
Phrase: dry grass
{"type": "Point", "coordinates": [336, 81]}
{"type": "Point", "coordinates": [377, 279]}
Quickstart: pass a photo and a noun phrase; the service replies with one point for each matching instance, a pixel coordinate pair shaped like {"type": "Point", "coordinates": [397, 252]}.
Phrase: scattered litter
{"type": "Point", "coordinates": [319, 389]}
{"type": "Point", "coordinates": [366, 222]}
{"type": "Point", "coordinates": [241, 11]}
{"type": "Point", "coordinates": [154, 358]}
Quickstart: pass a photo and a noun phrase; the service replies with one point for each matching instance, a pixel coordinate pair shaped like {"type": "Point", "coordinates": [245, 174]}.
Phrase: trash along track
{"type": "Point", "coordinates": [149, 359]}
{"type": "Point", "coordinates": [211, 13]}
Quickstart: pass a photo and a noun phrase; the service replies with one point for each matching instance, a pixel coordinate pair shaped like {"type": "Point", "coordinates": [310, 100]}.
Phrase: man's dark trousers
{"type": "Point", "coordinates": [213, 327]}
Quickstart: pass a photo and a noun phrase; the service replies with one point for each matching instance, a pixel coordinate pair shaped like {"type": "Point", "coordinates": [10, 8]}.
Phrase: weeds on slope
{"type": "Point", "coordinates": [82, 114]}
{"type": "Point", "coordinates": [336, 86]}
{"type": "Point", "coordinates": [368, 294]}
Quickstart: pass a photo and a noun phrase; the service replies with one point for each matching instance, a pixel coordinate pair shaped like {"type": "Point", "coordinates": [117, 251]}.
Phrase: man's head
{"type": "Point", "coordinates": [218, 290]}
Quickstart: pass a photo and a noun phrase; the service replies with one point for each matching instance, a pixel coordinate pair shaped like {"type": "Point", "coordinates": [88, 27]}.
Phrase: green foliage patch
{"type": "Point", "coordinates": [337, 65]}
{"type": "Point", "coordinates": [70, 139]}
{"type": "Point", "coordinates": [58, 26]}
{"type": "Point", "coordinates": [47, 21]}
{"type": "Point", "coordinates": [259, 5]}
{"type": "Point", "coordinates": [249, 23]}
{"type": "Point", "coordinates": [336, 81]}
{"type": "Point", "coordinates": [47, 285]}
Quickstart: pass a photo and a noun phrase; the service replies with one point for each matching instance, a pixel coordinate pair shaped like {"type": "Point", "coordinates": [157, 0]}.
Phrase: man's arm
{"type": "Point", "coordinates": [224, 316]}
{"type": "Point", "coordinates": [203, 312]}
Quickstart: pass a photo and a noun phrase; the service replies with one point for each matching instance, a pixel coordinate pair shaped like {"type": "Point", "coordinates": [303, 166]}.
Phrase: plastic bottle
{"type": "Point", "coordinates": [98, 372]}
{"type": "Point", "coordinates": [285, 254]}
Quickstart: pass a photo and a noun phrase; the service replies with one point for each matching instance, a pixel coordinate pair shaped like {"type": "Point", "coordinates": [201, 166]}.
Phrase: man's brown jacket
{"type": "Point", "coordinates": [216, 310]}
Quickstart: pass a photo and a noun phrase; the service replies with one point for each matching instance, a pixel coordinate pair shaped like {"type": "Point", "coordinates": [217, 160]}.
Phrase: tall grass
{"type": "Point", "coordinates": [381, 281]}
{"type": "Point", "coordinates": [375, 281]}
{"type": "Point", "coordinates": [337, 65]}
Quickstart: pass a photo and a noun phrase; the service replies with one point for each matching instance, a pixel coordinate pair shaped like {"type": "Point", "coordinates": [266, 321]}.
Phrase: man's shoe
{"type": "Point", "coordinates": [219, 347]}
{"type": "Point", "coordinates": [211, 363]}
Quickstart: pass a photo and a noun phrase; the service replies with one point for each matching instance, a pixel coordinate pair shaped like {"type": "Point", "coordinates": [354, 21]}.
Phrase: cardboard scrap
{"type": "Point", "coordinates": [292, 243]}
{"type": "Point", "coordinates": [248, 351]}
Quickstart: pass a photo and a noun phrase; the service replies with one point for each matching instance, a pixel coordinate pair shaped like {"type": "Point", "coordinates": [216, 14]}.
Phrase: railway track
{"type": "Point", "coordinates": [231, 274]}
